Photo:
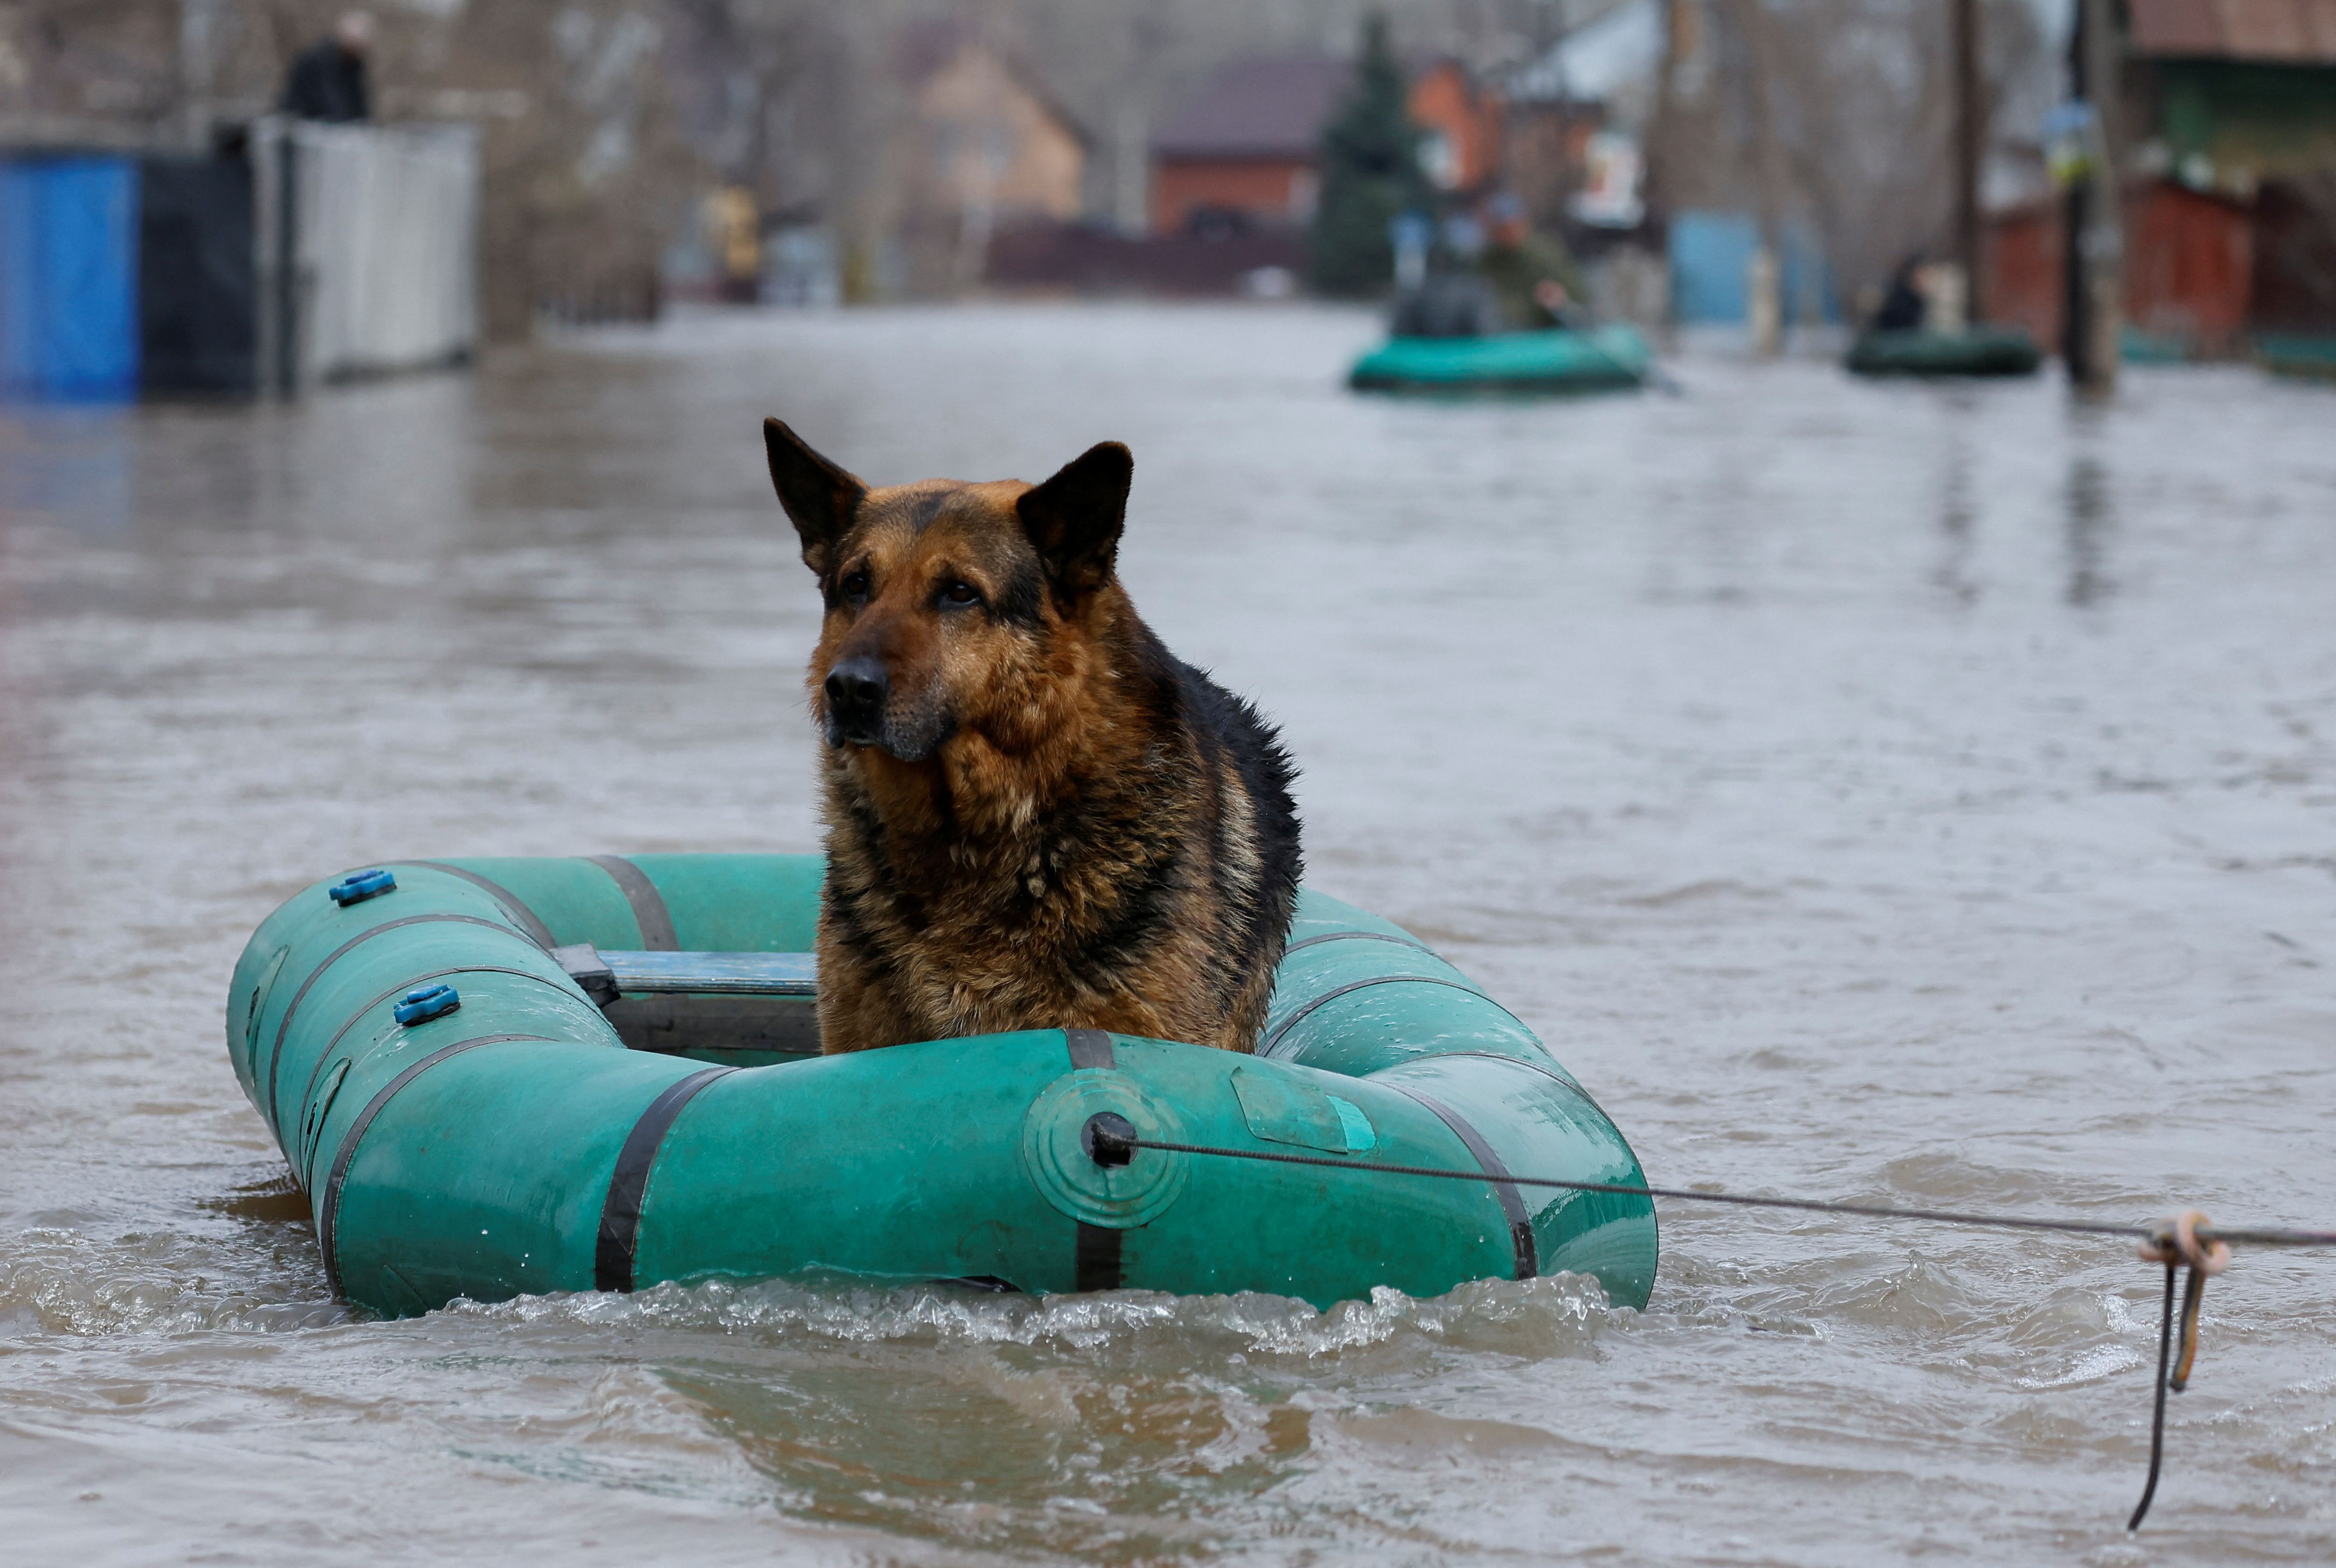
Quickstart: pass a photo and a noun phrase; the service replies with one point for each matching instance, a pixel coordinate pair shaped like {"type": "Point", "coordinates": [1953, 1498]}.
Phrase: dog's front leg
{"type": "Point", "coordinates": [858, 1010]}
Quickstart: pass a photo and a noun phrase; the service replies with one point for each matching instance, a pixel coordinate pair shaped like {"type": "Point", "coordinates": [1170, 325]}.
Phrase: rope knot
{"type": "Point", "coordinates": [2175, 1241]}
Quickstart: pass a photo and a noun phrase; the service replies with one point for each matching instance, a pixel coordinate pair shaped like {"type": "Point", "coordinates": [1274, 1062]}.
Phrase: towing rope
{"type": "Point", "coordinates": [2188, 1239]}
{"type": "Point", "coordinates": [2175, 1242]}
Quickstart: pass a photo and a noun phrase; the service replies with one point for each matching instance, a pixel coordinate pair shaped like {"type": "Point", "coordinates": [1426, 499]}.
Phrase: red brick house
{"type": "Point", "coordinates": [1240, 154]}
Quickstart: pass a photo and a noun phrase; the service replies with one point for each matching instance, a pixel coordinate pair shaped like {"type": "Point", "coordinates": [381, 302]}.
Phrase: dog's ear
{"type": "Point", "coordinates": [1074, 519]}
{"type": "Point", "coordinates": [819, 497]}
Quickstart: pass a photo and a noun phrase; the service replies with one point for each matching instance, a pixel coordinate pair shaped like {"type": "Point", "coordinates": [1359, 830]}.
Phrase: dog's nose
{"type": "Point", "coordinates": [856, 689]}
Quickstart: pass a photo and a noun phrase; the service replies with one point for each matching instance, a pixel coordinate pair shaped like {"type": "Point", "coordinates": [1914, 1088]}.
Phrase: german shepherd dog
{"type": "Point", "coordinates": [1038, 816]}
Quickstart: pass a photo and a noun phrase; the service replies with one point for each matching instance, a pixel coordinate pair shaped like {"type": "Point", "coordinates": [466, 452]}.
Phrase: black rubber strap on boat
{"type": "Point", "coordinates": [1512, 1202]}
{"type": "Point", "coordinates": [1266, 1048]}
{"type": "Point", "coordinates": [650, 912]}
{"type": "Point", "coordinates": [1358, 936]}
{"type": "Point", "coordinates": [328, 1208]}
{"type": "Point", "coordinates": [284, 1025]}
{"type": "Point", "coordinates": [326, 1055]}
{"type": "Point", "coordinates": [1098, 1263]}
{"type": "Point", "coordinates": [1090, 1048]}
{"type": "Point", "coordinates": [513, 906]}
{"type": "Point", "coordinates": [620, 1212]}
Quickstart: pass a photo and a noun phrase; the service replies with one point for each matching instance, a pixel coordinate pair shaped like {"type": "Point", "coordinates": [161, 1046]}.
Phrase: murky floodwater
{"type": "Point", "coordinates": [1874, 792]}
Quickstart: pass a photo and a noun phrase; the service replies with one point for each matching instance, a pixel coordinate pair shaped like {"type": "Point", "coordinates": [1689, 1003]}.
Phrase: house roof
{"type": "Point", "coordinates": [1264, 106]}
{"type": "Point", "coordinates": [1598, 58]}
{"type": "Point", "coordinates": [2273, 32]}
{"type": "Point", "coordinates": [921, 49]}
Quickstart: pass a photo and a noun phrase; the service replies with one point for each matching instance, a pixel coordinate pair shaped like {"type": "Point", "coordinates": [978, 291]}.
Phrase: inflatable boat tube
{"type": "Point", "coordinates": [1982, 351]}
{"type": "Point", "coordinates": [1607, 359]}
{"type": "Point", "coordinates": [2297, 354]}
{"type": "Point", "coordinates": [500, 1077]}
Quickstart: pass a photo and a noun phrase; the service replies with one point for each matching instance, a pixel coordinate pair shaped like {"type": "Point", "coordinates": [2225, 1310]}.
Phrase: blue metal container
{"type": "Point", "coordinates": [69, 328]}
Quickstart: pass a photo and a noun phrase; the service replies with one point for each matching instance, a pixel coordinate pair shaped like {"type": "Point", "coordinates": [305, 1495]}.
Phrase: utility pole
{"type": "Point", "coordinates": [1660, 128]}
{"type": "Point", "coordinates": [1970, 151]}
{"type": "Point", "coordinates": [199, 51]}
{"type": "Point", "coordinates": [1763, 276]}
{"type": "Point", "coordinates": [2095, 237]}
{"type": "Point", "coordinates": [1569, 183]}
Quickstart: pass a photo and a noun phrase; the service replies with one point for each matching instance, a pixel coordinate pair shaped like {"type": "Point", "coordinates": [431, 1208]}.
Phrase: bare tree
{"type": "Point", "coordinates": [1836, 117]}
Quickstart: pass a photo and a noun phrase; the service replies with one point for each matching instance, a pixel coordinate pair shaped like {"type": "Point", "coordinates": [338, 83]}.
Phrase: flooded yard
{"type": "Point", "coordinates": [1891, 793]}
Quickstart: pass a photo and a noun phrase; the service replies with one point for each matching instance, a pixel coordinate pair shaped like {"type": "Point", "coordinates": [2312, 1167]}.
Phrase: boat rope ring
{"type": "Point", "coordinates": [361, 886]}
{"type": "Point", "coordinates": [1059, 1152]}
{"type": "Point", "coordinates": [424, 1003]}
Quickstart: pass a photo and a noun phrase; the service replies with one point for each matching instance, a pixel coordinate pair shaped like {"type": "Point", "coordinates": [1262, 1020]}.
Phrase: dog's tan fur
{"type": "Point", "coordinates": [1049, 822]}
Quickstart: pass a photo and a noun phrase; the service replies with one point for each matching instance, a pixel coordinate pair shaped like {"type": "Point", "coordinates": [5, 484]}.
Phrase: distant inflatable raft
{"type": "Point", "coordinates": [501, 1077]}
{"type": "Point", "coordinates": [1984, 351]}
{"type": "Point", "coordinates": [1607, 359]}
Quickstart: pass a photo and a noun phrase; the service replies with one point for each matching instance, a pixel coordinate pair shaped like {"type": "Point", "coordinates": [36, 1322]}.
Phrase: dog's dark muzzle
{"type": "Point", "coordinates": [856, 690]}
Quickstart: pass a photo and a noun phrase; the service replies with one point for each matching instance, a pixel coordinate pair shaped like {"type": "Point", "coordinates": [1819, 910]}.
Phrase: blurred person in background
{"type": "Point", "coordinates": [1448, 302]}
{"type": "Point", "coordinates": [1533, 274]}
{"type": "Point", "coordinates": [327, 79]}
{"type": "Point", "coordinates": [1907, 306]}
{"type": "Point", "coordinates": [1493, 278]}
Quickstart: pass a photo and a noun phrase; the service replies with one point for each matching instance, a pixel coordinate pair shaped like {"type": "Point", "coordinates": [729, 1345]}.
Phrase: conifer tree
{"type": "Point", "coordinates": [1370, 173]}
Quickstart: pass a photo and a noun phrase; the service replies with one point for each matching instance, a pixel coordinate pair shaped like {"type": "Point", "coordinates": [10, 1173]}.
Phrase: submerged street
{"type": "Point", "coordinates": [1890, 793]}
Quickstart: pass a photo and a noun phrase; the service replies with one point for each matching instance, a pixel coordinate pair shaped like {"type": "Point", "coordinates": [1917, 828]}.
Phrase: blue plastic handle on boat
{"type": "Point", "coordinates": [364, 884]}
{"type": "Point", "coordinates": [425, 1003]}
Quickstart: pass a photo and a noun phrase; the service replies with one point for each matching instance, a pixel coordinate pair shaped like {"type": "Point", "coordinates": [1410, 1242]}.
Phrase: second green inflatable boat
{"type": "Point", "coordinates": [502, 1077]}
{"type": "Point", "coordinates": [1982, 351]}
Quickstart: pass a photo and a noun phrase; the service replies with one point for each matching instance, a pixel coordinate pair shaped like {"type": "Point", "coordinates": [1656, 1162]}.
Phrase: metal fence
{"type": "Point", "coordinates": [294, 254]}
{"type": "Point", "coordinates": [367, 240]}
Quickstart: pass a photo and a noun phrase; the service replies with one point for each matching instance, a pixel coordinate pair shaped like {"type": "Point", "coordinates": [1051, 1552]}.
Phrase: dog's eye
{"type": "Point", "coordinates": [854, 586]}
{"type": "Point", "coordinates": [959, 592]}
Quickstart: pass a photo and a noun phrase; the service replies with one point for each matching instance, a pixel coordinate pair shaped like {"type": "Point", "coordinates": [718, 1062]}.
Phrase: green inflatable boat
{"type": "Point", "coordinates": [500, 1076]}
{"type": "Point", "coordinates": [1606, 359]}
{"type": "Point", "coordinates": [1984, 351]}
